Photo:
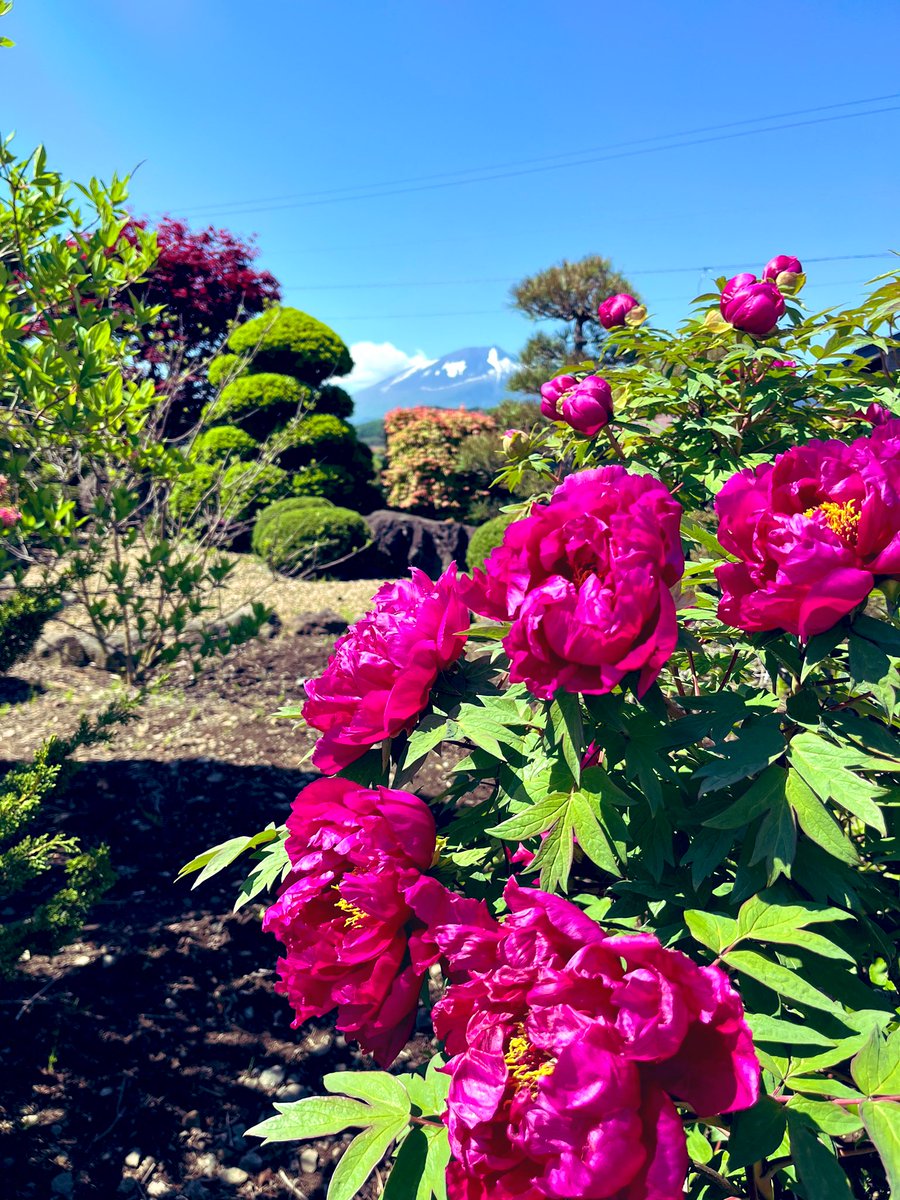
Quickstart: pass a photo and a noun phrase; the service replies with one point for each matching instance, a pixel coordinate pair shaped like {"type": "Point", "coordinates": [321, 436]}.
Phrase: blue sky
{"type": "Point", "coordinates": [332, 131]}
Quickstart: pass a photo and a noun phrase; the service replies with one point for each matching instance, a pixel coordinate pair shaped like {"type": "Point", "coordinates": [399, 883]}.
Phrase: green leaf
{"type": "Point", "coordinates": [818, 1169]}
{"type": "Point", "coordinates": [362, 1156]}
{"type": "Point", "coordinates": [759, 798]}
{"type": "Point", "coordinates": [756, 1132]}
{"type": "Point", "coordinates": [406, 1179]}
{"type": "Point", "coordinates": [773, 1029]}
{"type": "Point", "coordinates": [715, 932]}
{"type": "Point", "coordinates": [826, 769]}
{"type": "Point", "coordinates": [882, 1121]}
{"type": "Point", "coordinates": [785, 924]}
{"type": "Point", "coordinates": [533, 821]}
{"type": "Point", "coordinates": [554, 856]}
{"type": "Point", "coordinates": [695, 532]}
{"type": "Point", "coordinates": [758, 743]}
{"type": "Point", "coordinates": [384, 1092]}
{"type": "Point", "coordinates": [568, 729]}
{"type": "Point", "coordinates": [428, 1092]}
{"type": "Point", "coordinates": [833, 1119]}
{"type": "Point", "coordinates": [776, 841]}
{"type": "Point", "coordinates": [590, 836]}
{"type": "Point", "coordinates": [219, 857]}
{"type": "Point", "coordinates": [781, 980]}
{"type": "Point", "coordinates": [817, 822]}
{"type": "Point", "coordinates": [318, 1116]}
{"type": "Point", "coordinates": [876, 1069]}
{"type": "Point", "coordinates": [274, 866]}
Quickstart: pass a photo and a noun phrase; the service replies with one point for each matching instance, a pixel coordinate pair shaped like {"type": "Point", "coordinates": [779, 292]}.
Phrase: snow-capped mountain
{"type": "Point", "coordinates": [471, 378]}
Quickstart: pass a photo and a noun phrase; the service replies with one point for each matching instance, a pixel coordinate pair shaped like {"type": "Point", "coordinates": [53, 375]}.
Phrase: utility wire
{"type": "Point", "coordinates": [449, 177]}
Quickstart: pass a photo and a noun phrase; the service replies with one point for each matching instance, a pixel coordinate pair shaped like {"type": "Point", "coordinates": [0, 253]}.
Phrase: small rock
{"type": "Point", "coordinates": [271, 1078]}
{"type": "Point", "coordinates": [233, 1175]}
{"type": "Point", "coordinates": [309, 1161]}
{"type": "Point", "coordinates": [251, 1161]}
{"type": "Point", "coordinates": [158, 1187]}
{"type": "Point", "coordinates": [206, 1164]}
{"type": "Point", "coordinates": [191, 1119]}
{"type": "Point", "coordinates": [170, 1003]}
{"type": "Point", "coordinates": [315, 624]}
{"type": "Point", "coordinates": [319, 1042]}
{"type": "Point", "coordinates": [293, 1091]}
{"type": "Point", "coordinates": [107, 1091]}
{"type": "Point", "coordinates": [62, 1185]}
{"type": "Point", "coordinates": [133, 1159]}
{"type": "Point", "coordinates": [109, 960]}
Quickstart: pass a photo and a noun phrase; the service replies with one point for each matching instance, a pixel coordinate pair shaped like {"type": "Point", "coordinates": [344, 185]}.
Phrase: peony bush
{"type": "Point", "coordinates": [649, 921]}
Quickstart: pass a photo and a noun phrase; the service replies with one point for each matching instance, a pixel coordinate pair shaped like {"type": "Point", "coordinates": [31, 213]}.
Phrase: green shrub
{"type": "Point", "coordinates": [224, 368]}
{"type": "Point", "coordinates": [22, 617]}
{"type": "Point", "coordinates": [248, 487]}
{"type": "Point", "coordinates": [295, 539]}
{"type": "Point", "coordinates": [320, 437]}
{"type": "Point", "coordinates": [291, 504]}
{"type": "Point", "coordinates": [486, 538]}
{"type": "Point", "coordinates": [334, 400]}
{"type": "Point", "coordinates": [223, 441]}
{"type": "Point", "coordinates": [195, 493]}
{"type": "Point", "coordinates": [287, 340]}
{"type": "Point", "coordinates": [341, 484]}
{"type": "Point", "coordinates": [259, 404]}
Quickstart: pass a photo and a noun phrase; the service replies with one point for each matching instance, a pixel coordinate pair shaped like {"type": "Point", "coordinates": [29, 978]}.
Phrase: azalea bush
{"type": "Point", "coordinates": [652, 914]}
{"type": "Point", "coordinates": [424, 472]}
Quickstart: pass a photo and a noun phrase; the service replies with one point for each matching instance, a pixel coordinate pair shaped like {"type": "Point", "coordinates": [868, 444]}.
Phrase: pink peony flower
{"type": "Point", "coordinates": [585, 582]}
{"type": "Point", "coordinates": [614, 309]}
{"type": "Point", "coordinates": [783, 270]}
{"type": "Point", "coordinates": [342, 915]}
{"type": "Point", "coordinates": [9, 516]}
{"type": "Point", "coordinates": [876, 415]}
{"type": "Point", "coordinates": [382, 670]}
{"type": "Point", "coordinates": [569, 1051]}
{"type": "Point", "coordinates": [584, 404]}
{"type": "Point", "coordinates": [813, 531]}
{"type": "Point", "coordinates": [750, 305]}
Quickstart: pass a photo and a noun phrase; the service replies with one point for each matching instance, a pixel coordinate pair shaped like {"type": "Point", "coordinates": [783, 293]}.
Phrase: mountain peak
{"type": "Point", "coordinates": [473, 377]}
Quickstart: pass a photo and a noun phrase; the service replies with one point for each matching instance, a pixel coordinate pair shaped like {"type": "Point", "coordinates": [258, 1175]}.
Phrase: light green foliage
{"type": "Point", "coordinates": [224, 368]}
{"type": "Point", "coordinates": [259, 404]}
{"type": "Point", "coordinates": [334, 400]}
{"type": "Point", "coordinates": [486, 538]}
{"type": "Point", "coordinates": [296, 539]}
{"type": "Point", "coordinates": [223, 442]}
{"type": "Point", "coordinates": [314, 438]}
{"type": "Point", "coordinates": [290, 342]}
{"type": "Point", "coordinates": [42, 918]}
{"type": "Point", "coordinates": [291, 504]}
{"type": "Point", "coordinates": [248, 487]}
{"type": "Point", "coordinates": [22, 617]}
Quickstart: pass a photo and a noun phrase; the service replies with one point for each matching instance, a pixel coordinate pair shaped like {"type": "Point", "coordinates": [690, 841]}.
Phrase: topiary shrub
{"type": "Point", "coordinates": [320, 437]}
{"type": "Point", "coordinates": [22, 617]}
{"type": "Point", "coordinates": [340, 484]}
{"type": "Point", "coordinates": [221, 442]}
{"type": "Point", "coordinates": [195, 494]}
{"type": "Point", "coordinates": [248, 487]}
{"type": "Point", "coordinates": [486, 538]}
{"type": "Point", "coordinates": [291, 504]}
{"type": "Point", "coordinates": [289, 341]}
{"type": "Point", "coordinates": [259, 404]}
{"type": "Point", "coordinates": [334, 400]}
{"type": "Point", "coordinates": [296, 539]}
{"type": "Point", "coordinates": [225, 368]}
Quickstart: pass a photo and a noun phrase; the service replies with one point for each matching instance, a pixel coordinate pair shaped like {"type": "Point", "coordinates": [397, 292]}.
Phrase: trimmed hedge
{"type": "Point", "coordinates": [289, 341]}
{"type": "Point", "coordinates": [259, 404]}
{"type": "Point", "coordinates": [223, 441]}
{"type": "Point", "coordinates": [248, 487]}
{"type": "Point", "coordinates": [334, 400]}
{"type": "Point", "coordinates": [291, 504]}
{"type": "Point", "coordinates": [314, 438]}
{"type": "Point", "coordinates": [295, 539]}
{"type": "Point", "coordinates": [486, 538]}
{"type": "Point", "coordinates": [224, 368]}
{"type": "Point", "coordinates": [195, 493]}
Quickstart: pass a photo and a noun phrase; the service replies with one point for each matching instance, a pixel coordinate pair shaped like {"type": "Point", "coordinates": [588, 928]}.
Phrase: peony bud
{"type": "Point", "coordinates": [552, 393]}
{"type": "Point", "coordinates": [589, 407]}
{"type": "Point", "coordinates": [751, 305]}
{"type": "Point", "coordinates": [786, 272]}
{"type": "Point", "coordinates": [510, 438]}
{"type": "Point", "coordinates": [614, 309]}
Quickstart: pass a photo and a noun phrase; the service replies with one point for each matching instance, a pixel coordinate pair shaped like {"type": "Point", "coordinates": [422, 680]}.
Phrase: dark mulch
{"type": "Point", "coordinates": [132, 1063]}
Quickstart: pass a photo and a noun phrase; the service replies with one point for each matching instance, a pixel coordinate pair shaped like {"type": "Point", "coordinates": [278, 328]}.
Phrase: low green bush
{"type": "Point", "coordinates": [295, 539]}
{"type": "Point", "coordinates": [259, 404]}
{"type": "Point", "coordinates": [195, 494]}
{"type": "Point", "coordinates": [22, 617]}
{"type": "Point", "coordinates": [342, 485]}
{"type": "Point", "coordinates": [486, 538]}
{"type": "Point", "coordinates": [290, 341]}
{"type": "Point", "coordinates": [291, 504]}
{"type": "Point", "coordinates": [316, 438]}
{"type": "Point", "coordinates": [224, 368]}
{"type": "Point", "coordinates": [221, 442]}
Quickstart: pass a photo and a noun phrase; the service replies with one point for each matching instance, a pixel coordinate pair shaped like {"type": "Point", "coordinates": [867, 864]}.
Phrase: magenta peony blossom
{"type": "Point", "coordinates": [614, 309]}
{"type": "Point", "coordinates": [750, 305]}
{"type": "Point", "coordinates": [813, 531]}
{"type": "Point", "coordinates": [381, 672]}
{"type": "Point", "coordinates": [876, 415]}
{"type": "Point", "coordinates": [569, 1051]}
{"type": "Point", "coordinates": [584, 404]}
{"type": "Point", "coordinates": [585, 582]}
{"type": "Point", "coordinates": [342, 915]}
{"type": "Point", "coordinates": [783, 265]}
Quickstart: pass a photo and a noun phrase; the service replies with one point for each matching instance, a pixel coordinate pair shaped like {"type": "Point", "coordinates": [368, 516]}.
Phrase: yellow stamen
{"type": "Point", "coordinates": [527, 1064]}
{"type": "Point", "coordinates": [842, 518]}
{"type": "Point", "coordinates": [356, 914]}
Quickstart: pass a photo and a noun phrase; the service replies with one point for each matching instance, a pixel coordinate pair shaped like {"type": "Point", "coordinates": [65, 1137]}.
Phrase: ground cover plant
{"type": "Point", "coordinates": [653, 917]}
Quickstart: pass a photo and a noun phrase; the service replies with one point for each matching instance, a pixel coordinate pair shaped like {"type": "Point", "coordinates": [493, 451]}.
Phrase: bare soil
{"type": "Point", "coordinates": [132, 1063]}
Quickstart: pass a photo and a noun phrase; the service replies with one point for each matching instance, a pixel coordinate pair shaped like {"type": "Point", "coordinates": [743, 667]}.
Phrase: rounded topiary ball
{"type": "Point", "coordinates": [195, 494]}
{"type": "Point", "coordinates": [224, 368]}
{"type": "Point", "coordinates": [289, 341]}
{"type": "Point", "coordinates": [259, 404]}
{"type": "Point", "coordinates": [221, 442]}
{"type": "Point", "coordinates": [320, 436]}
{"type": "Point", "coordinates": [248, 487]}
{"type": "Point", "coordinates": [294, 540]}
{"type": "Point", "coordinates": [291, 504]}
{"type": "Point", "coordinates": [334, 400]}
{"type": "Point", "coordinates": [486, 538]}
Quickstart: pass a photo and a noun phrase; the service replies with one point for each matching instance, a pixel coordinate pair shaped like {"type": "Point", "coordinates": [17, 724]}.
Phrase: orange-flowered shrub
{"type": "Point", "coordinates": [423, 473]}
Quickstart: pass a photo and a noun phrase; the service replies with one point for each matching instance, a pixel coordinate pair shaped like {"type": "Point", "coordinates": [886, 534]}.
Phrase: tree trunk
{"type": "Point", "coordinates": [579, 341]}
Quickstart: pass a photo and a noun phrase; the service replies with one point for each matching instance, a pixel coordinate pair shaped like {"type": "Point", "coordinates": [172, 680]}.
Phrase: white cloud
{"type": "Point", "coordinates": [374, 361]}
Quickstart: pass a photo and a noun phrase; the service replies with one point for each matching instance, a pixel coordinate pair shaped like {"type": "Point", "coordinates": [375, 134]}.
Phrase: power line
{"type": "Point", "coordinates": [340, 287]}
{"type": "Point", "coordinates": [448, 178]}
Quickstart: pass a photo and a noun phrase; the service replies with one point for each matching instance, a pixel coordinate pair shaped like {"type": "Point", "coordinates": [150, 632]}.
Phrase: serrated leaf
{"type": "Point", "coordinates": [428, 1092]}
{"type": "Point", "coordinates": [776, 840]}
{"type": "Point", "coordinates": [818, 1169]}
{"type": "Point", "coordinates": [362, 1156]}
{"type": "Point", "coordinates": [273, 866]}
{"type": "Point", "coordinates": [759, 743]}
{"type": "Point", "coordinates": [318, 1116]}
{"type": "Point", "coordinates": [817, 822]}
{"type": "Point", "coordinates": [762, 921]}
{"type": "Point", "coordinates": [711, 930]}
{"type": "Point", "coordinates": [568, 729]}
{"type": "Point", "coordinates": [826, 768]}
{"type": "Point", "coordinates": [590, 836]}
{"type": "Point", "coordinates": [533, 821]}
{"type": "Point", "coordinates": [876, 1069]}
{"type": "Point", "coordinates": [781, 980]}
{"type": "Point", "coordinates": [756, 1132]}
{"type": "Point", "coordinates": [385, 1093]}
{"type": "Point", "coordinates": [882, 1121]}
{"type": "Point", "coordinates": [555, 854]}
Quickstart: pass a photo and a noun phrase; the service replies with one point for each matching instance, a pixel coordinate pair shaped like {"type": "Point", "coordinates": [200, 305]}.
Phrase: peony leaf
{"type": "Point", "coordinates": [756, 1132]}
{"type": "Point", "coordinates": [273, 867]}
{"type": "Point", "coordinates": [419, 1170]}
{"type": "Point", "coordinates": [833, 1119]}
{"type": "Point", "coordinates": [826, 769]}
{"type": "Point", "coordinates": [711, 930]}
{"type": "Point", "coordinates": [882, 1121]}
{"type": "Point", "coordinates": [817, 822]}
{"type": "Point", "coordinates": [385, 1093]}
{"type": "Point", "coordinates": [876, 1069]}
{"type": "Point", "coordinates": [758, 798]}
{"type": "Point", "coordinates": [758, 743]}
{"type": "Point", "coordinates": [776, 841]}
{"type": "Point", "coordinates": [781, 980]}
{"type": "Point", "coordinates": [773, 1030]}
{"type": "Point", "coordinates": [217, 858]}
{"type": "Point", "coordinates": [318, 1116]}
{"type": "Point", "coordinates": [362, 1156]}
{"type": "Point", "coordinates": [818, 1169]}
